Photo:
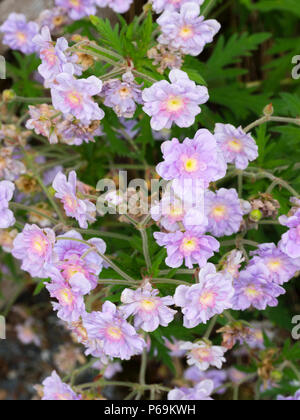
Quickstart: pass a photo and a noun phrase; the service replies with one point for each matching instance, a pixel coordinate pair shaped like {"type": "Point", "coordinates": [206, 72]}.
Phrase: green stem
{"type": "Point", "coordinates": [146, 248]}
{"type": "Point", "coordinates": [209, 7]}
{"type": "Point", "coordinates": [211, 326]}
{"type": "Point", "coordinates": [19, 206]}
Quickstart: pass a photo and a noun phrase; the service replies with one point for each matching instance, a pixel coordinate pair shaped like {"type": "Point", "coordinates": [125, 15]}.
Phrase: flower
{"type": "Point", "coordinates": [191, 247]}
{"type": "Point", "coordinates": [174, 346]}
{"type": "Point", "coordinates": [115, 336]}
{"type": "Point", "coordinates": [10, 167]}
{"type": "Point", "coordinates": [233, 262]}
{"type": "Point", "coordinates": [7, 218]}
{"type": "Point", "coordinates": [26, 333]}
{"type": "Point", "coordinates": [119, 6]}
{"type": "Point", "coordinates": [161, 5]}
{"type": "Point", "coordinates": [78, 262]}
{"type": "Point", "coordinates": [74, 96]}
{"type": "Point", "coordinates": [237, 146]}
{"type": "Point", "coordinates": [290, 241]}
{"type": "Point", "coordinates": [56, 390]}
{"type": "Point", "coordinates": [281, 267]}
{"type": "Point", "coordinates": [204, 355]}
{"type": "Point", "coordinates": [201, 392]}
{"type": "Point", "coordinates": [34, 247]}
{"type": "Point", "coordinates": [81, 210]}
{"type": "Point", "coordinates": [77, 9]}
{"type": "Point", "coordinates": [70, 304]}
{"type": "Point", "coordinates": [53, 56]}
{"type": "Point", "coordinates": [185, 30]}
{"type": "Point", "coordinates": [211, 296]}
{"type": "Point", "coordinates": [19, 34]}
{"type": "Point", "coordinates": [54, 18]}
{"type": "Point", "coordinates": [253, 288]}
{"type": "Point", "coordinates": [149, 310]}
{"type": "Point", "coordinates": [296, 397]}
{"type": "Point", "coordinates": [194, 374]}
{"type": "Point", "coordinates": [176, 102]}
{"type": "Point", "coordinates": [122, 96]}
{"type": "Point", "coordinates": [224, 212]}
{"type": "Point", "coordinates": [171, 211]}
{"type": "Point", "coordinates": [198, 160]}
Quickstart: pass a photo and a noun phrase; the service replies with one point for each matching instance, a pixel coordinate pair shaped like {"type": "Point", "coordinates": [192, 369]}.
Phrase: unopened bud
{"type": "Point", "coordinates": [268, 110]}
{"type": "Point", "coordinates": [8, 95]}
{"type": "Point", "coordinates": [256, 215]}
{"type": "Point", "coordinates": [276, 376]}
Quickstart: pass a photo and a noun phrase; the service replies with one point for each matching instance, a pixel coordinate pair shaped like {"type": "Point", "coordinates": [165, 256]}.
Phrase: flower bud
{"type": "Point", "coordinates": [268, 110]}
{"type": "Point", "coordinates": [256, 215]}
{"type": "Point", "coordinates": [8, 95]}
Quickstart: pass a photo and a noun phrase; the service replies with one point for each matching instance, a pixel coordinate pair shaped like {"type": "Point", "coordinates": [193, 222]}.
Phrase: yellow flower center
{"type": "Point", "coordinates": [191, 165]}
{"type": "Point", "coordinates": [39, 245]}
{"type": "Point", "coordinates": [189, 244]}
{"type": "Point", "coordinates": [203, 353]}
{"type": "Point", "coordinates": [115, 333]}
{"type": "Point", "coordinates": [124, 92]}
{"type": "Point", "coordinates": [176, 212]}
{"type": "Point", "coordinates": [251, 292]}
{"type": "Point", "coordinates": [21, 37]}
{"type": "Point", "coordinates": [219, 211]}
{"type": "Point", "coordinates": [175, 104]}
{"type": "Point", "coordinates": [74, 98]}
{"type": "Point", "coordinates": [148, 304]}
{"type": "Point", "coordinates": [207, 299]}
{"type": "Point", "coordinates": [75, 3]}
{"type": "Point", "coordinates": [71, 202]}
{"type": "Point", "coordinates": [235, 145]}
{"type": "Point", "coordinates": [66, 296]}
{"type": "Point", "coordinates": [274, 265]}
{"type": "Point", "coordinates": [186, 32]}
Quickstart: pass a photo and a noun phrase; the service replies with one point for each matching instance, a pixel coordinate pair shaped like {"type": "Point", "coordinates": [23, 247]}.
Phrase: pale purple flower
{"type": "Point", "coordinates": [224, 212]}
{"type": "Point", "coordinates": [170, 211]}
{"type": "Point", "coordinates": [56, 390]}
{"type": "Point", "coordinates": [78, 259]}
{"type": "Point", "coordinates": [194, 374]}
{"type": "Point", "coordinates": [190, 247]}
{"type": "Point", "coordinates": [72, 132]}
{"type": "Point", "coordinates": [74, 96]}
{"type": "Point", "coordinates": [81, 210]}
{"type": "Point", "coordinates": [116, 337]}
{"type": "Point", "coordinates": [233, 263]}
{"type": "Point", "coordinates": [176, 102]}
{"type": "Point", "coordinates": [204, 355]}
{"type": "Point", "coordinates": [7, 218]}
{"type": "Point", "coordinates": [211, 296]}
{"type": "Point", "coordinates": [19, 34]}
{"type": "Point", "coordinates": [237, 146]}
{"type": "Point", "coordinates": [149, 310]}
{"type": "Point", "coordinates": [110, 370]}
{"type": "Point", "coordinates": [77, 9]}
{"type": "Point", "coordinates": [174, 346]}
{"type": "Point", "coordinates": [185, 30]}
{"type": "Point", "coordinates": [281, 267]}
{"type": "Point", "coordinates": [253, 288]}
{"type": "Point", "coordinates": [34, 247]}
{"type": "Point", "coordinates": [10, 167]}
{"type": "Point", "coordinates": [54, 18]}
{"type": "Point", "coordinates": [122, 96]}
{"type": "Point", "coordinates": [70, 306]}
{"type": "Point", "coordinates": [236, 375]}
{"type": "Point", "coordinates": [290, 241]}
{"type": "Point", "coordinates": [54, 56]}
{"type": "Point", "coordinates": [162, 5]}
{"type": "Point", "coordinates": [201, 392]}
{"type": "Point", "coordinates": [198, 160]}
{"type": "Point", "coordinates": [26, 333]}
{"type": "Point", "coordinates": [119, 6]}
{"type": "Point", "coordinates": [296, 397]}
